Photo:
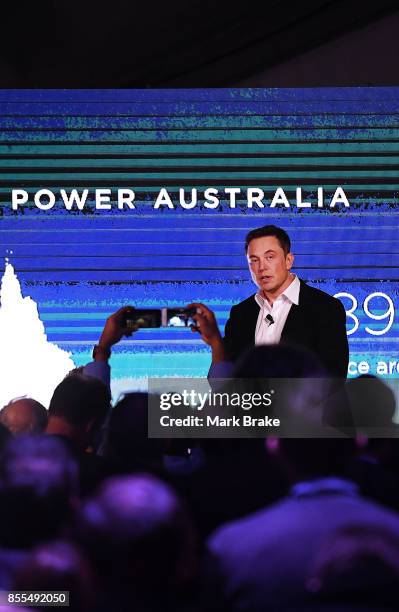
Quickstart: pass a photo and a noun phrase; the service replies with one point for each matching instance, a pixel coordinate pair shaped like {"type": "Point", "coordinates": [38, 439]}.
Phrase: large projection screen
{"type": "Point", "coordinates": [79, 266]}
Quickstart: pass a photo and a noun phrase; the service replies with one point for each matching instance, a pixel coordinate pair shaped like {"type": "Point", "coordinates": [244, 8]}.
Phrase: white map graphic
{"type": "Point", "coordinates": [29, 364]}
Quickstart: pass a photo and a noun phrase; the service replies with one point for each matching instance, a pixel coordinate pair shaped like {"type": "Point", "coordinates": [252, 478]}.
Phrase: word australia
{"type": "Point", "coordinates": [187, 199]}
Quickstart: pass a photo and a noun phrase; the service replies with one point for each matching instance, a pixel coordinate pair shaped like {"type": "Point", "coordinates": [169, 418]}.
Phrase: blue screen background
{"type": "Point", "coordinates": [81, 266]}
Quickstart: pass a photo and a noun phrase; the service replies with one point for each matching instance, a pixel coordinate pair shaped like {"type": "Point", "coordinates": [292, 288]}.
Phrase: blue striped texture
{"type": "Point", "coordinates": [81, 266]}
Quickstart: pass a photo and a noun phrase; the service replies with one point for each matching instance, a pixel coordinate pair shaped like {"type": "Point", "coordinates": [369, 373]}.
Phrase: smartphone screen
{"type": "Point", "coordinates": [146, 317]}
{"type": "Point", "coordinates": [178, 317]}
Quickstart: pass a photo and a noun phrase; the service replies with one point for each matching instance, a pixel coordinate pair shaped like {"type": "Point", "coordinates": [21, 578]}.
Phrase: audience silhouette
{"type": "Point", "coordinates": [92, 505]}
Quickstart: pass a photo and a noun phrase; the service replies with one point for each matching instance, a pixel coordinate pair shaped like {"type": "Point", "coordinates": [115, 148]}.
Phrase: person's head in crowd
{"type": "Point", "coordinates": [38, 490]}
{"type": "Point", "coordinates": [314, 457]}
{"type": "Point", "coordinates": [78, 408]}
{"type": "Point", "coordinates": [312, 449]}
{"type": "Point", "coordinates": [372, 403]}
{"type": "Point", "coordinates": [128, 446]}
{"type": "Point", "coordinates": [300, 385]}
{"type": "Point", "coordinates": [357, 564]}
{"type": "Point", "coordinates": [59, 566]}
{"type": "Point", "coordinates": [137, 532]}
{"type": "Point", "coordinates": [24, 415]}
{"type": "Point", "coordinates": [279, 361]}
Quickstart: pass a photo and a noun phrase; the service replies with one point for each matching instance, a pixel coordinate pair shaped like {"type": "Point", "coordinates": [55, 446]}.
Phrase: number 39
{"type": "Point", "coordinates": [389, 313]}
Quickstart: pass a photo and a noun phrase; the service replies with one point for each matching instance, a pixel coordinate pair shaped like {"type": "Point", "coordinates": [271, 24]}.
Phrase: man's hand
{"type": "Point", "coordinates": [113, 331]}
{"type": "Point", "coordinates": [207, 326]}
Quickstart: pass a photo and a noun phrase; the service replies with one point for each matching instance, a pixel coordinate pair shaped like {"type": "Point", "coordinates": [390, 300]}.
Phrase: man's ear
{"type": "Point", "coordinates": [289, 260]}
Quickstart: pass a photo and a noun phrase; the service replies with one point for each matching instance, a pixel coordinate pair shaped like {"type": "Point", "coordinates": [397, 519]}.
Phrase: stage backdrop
{"type": "Point", "coordinates": [80, 266]}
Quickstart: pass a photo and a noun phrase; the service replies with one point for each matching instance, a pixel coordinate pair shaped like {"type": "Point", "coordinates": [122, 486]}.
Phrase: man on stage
{"type": "Point", "coordinates": [285, 309]}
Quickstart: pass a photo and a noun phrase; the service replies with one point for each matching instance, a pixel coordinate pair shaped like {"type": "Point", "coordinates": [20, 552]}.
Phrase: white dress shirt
{"type": "Point", "coordinates": [270, 333]}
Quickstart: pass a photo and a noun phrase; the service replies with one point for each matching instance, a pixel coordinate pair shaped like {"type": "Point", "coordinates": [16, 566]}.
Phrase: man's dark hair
{"type": "Point", "coordinates": [318, 457]}
{"type": "Point", "coordinates": [270, 230]}
{"type": "Point", "coordinates": [80, 399]}
{"type": "Point", "coordinates": [278, 361]}
{"type": "Point", "coordinates": [357, 564]}
{"type": "Point", "coordinates": [59, 566]}
{"type": "Point", "coordinates": [38, 483]}
{"type": "Point", "coordinates": [128, 446]}
{"type": "Point", "coordinates": [136, 529]}
{"type": "Point", "coordinates": [372, 402]}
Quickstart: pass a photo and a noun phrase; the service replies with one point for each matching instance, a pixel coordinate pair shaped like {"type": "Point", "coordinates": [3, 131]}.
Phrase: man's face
{"type": "Point", "coordinates": [269, 266]}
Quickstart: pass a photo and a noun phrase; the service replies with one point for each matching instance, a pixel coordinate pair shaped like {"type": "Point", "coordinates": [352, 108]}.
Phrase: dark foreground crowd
{"type": "Point", "coordinates": [90, 505]}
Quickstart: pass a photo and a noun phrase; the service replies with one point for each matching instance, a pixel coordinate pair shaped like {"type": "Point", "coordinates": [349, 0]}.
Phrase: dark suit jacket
{"type": "Point", "coordinates": [316, 324]}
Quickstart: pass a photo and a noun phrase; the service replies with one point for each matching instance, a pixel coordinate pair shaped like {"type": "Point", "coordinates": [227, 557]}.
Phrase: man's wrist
{"type": "Point", "coordinates": [101, 352]}
{"type": "Point", "coordinates": [218, 352]}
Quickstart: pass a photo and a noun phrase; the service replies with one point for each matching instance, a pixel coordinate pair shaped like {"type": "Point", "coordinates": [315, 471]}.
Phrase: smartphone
{"type": "Point", "coordinates": [158, 317]}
